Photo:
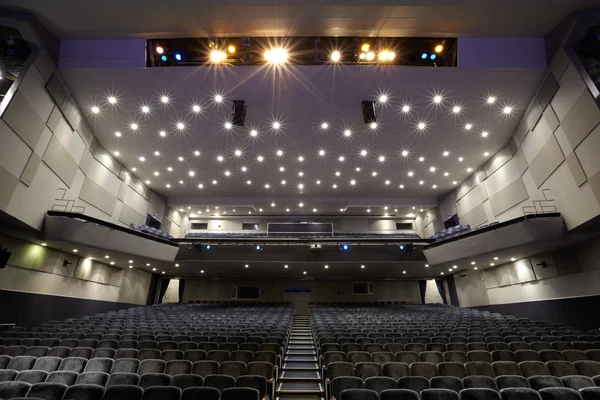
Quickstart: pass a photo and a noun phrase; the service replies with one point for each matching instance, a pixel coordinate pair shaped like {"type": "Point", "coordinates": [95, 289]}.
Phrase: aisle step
{"type": "Point", "coordinates": [305, 375]}
{"type": "Point", "coordinates": [300, 388]}
{"type": "Point", "coordinates": [291, 352]}
{"type": "Point", "coordinates": [293, 358]}
{"type": "Point", "coordinates": [300, 365]}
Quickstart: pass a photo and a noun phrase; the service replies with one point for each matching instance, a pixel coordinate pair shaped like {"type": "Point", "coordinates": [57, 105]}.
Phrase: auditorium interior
{"type": "Point", "coordinates": [324, 199]}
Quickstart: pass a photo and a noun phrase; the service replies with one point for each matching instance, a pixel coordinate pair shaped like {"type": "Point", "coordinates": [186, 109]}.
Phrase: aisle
{"type": "Point", "coordinates": [300, 376]}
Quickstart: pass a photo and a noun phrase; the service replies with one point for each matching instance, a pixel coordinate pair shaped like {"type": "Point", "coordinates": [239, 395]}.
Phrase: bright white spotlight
{"type": "Point", "coordinates": [322, 153]}
{"type": "Point", "coordinates": [437, 99]}
{"type": "Point", "coordinates": [253, 133]}
{"type": "Point", "coordinates": [134, 127]}
{"type": "Point", "coordinates": [118, 134]}
{"type": "Point", "coordinates": [468, 127]}
{"type": "Point", "coordinates": [507, 110]}
{"type": "Point", "coordinates": [228, 125]}
{"type": "Point", "coordinates": [353, 182]}
{"type": "Point", "coordinates": [456, 109]}
{"type": "Point", "coordinates": [218, 98]}
{"type": "Point", "coordinates": [145, 109]}
{"type": "Point", "coordinates": [370, 56]}
{"type": "Point", "coordinates": [217, 56]}
{"type": "Point", "coordinates": [95, 110]}
{"type": "Point", "coordinates": [164, 99]}
{"type": "Point", "coordinates": [405, 108]}
{"type": "Point", "coordinates": [196, 108]}
{"type": "Point", "coordinates": [404, 153]}
{"type": "Point", "coordinates": [373, 125]}
{"type": "Point", "coordinates": [237, 153]}
{"type": "Point", "coordinates": [421, 125]}
{"type": "Point", "coordinates": [324, 125]}
{"type": "Point", "coordinates": [180, 126]}
{"type": "Point", "coordinates": [347, 133]}
{"type": "Point", "coordinates": [276, 125]}
{"type": "Point", "coordinates": [276, 56]}
{"type": "Point", "coordinates": [491, 100]}
{"type": "Point", "coordinates": [162, 133]}
{"type": "Point", "coordinates": [336, 56]}
{"type": "Point", "coordinates": [383, 98]}
{"type": "Point", "coordinates": [112, 100]}
{"type": "Point", "coordinates": [485, 134]}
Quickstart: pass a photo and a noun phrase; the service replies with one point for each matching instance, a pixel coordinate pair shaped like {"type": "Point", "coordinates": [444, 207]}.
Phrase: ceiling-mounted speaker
{"type": "Point", "coordinates": [238, 112]}
{"type": "Point", "coordinates": [368, 111]}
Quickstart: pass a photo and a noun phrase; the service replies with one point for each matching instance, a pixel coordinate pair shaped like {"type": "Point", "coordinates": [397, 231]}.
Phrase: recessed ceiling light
{"type": "Point", "coordinates": [228, 125]}
{"type": "Point", "coordinates": [434, 186]}
{"type": "Point", "coordinates": [326, 266]}
{"type": "Point", "coordinates": [191, 173]}
{"type": "Point", "coordinates": [253, 133]}
{"type": "Point", "coordinates": [300, 173]}
{"type": "Point", "coordinates": [485, 154]}
{"type": "Point", "coordinates": [357, 169]}
{"type": "Point", "coordinates": [454, 182]}
{"type": "Point", "coordinates": [468, 126]}
{"type": "Point", "coordinates": [318, 182]}
{"type": "Point", "coordinates": [368, 210]}
{"type": "Point", "coordinates": [134, 126]}
{"type": "Point", "coordinates": [484, 134]}
{"type": "Point", "coordinates": [362, 267]}
{"type": "Point", "coordinates": [513, 259]}
{"type": "Point", "coordinates": [300, 204]}
{"type": "Point", "coordinates": [246, 266]}
{"type": "Point", "coordinates": [507, 110]}
{"type": "Point", "coordinates": [411, 173]}
{"type": "Point", "coordinates": [157, 153]}
{"type": "Point", "coordinates": [431, 169]}
{"type": "Point", "coordinates": [337, 173]}
{"type": "Point", "coordinates": [373, 125]}
{"type": "Point", "coordinates": [285, 266]}
{"type": "Point", "coordinates": [196, 108]}
{"type": "Point", "coordinates": [324, 125]}
{"type": "Point", "coordinates": [117, 154]}
{"type": "Point", "coordinates": [276, 125]}
{"type": "Point", "coordinates": [363, 153]}
{"type": "Point", "coordinates": [118, 134]}
{"type": "Point", "coordinates": [248, 182]}
{"type": "Point", "coordinates": [304, 272]}
{"type": "Point", "coordinates": [279, 153]}
{"type": "Point", "coordinates": [300, 159]}
{"type": "Point", "coordinates": [95, 110]}
{"type": "Point", "coordinates": [162, 133]}
{"type": "Point", "coordinates": [75, 250]}
{"type": "Point", "coordinates": [437, 99]}
{"type": "Point", "coordinates": [421, 125]}
{"type": "Point", "coordinates": [321, 153]}
{"type": "Point", "coordinates": [287, 210]}
{"type": "Point", "coordinates": [473, 263]}
{"type": "Point", "coordinates": [469, 169]}
{"type": "Point", "coordinates": [401, 187]}
{"type": "Point", "coordinates": [404, 153]}
{"type": "Point", "coordinates": [283, 182]}
{"type": "Point", "coordinates": [300, 186]}
{"type": "Point", "coordinates": [227, 173]}
{"type": "Point", "coordinates": [341, 159]}
{"type": "Point", "coordinates": [353, 182]}
{"type": "Point", "coordinates": [387, 182]}
{"type": "Point", "coordinates": [134, 169]}
{"type": "Point", "coordinates": [492, 264]}
{"type": "Point", "coordinates": [460, 159]}
{"type": "Point", "coordinates": [180, 158]}
{"type": "Point", "coordinates": [314, 210]}
{"type": "Point", "coordinates": [426, 265]}
{"type": "Point", "coordinates": [147, 182]}
{"type": "Point", "coordinates": [341, 210]}
{"type": "Point", "coordinates": [381, 159]}
{"type": "Point", "coordinates": [474, 267]}
{"type": "Point", "coordinates": [446, 153]}
{"type": "Point", "coordinates": [456, 109]}
{"type": "Point", "coordinates": [441, 273]}
{"type": "Point", "coordinates": [243, 169]}
{"type": "Point", "coordinates": [421, 182]}
{"type": "Point", "coordinates": [446, 173]}
{"type": "Point", "coordinates": [180, 126]}
{"type": "Point", "coordinates": [334, 186]}
{"type": "Point", "coordinates": [145, 109]}
{"type": "Point", "coordinates": [142, 158]}
{"type": "Point", "coordinates": [218, 98]}
{"type": "Point", "coordinates": [421, 159]}
{"type": "Point", "coordinates": [267, 186]}
{"type": "Point", "coordinates": [164, 99]}
{"type": "Point", "coordinates": [260, 159]}
{"type": "Point", "coordinates": [405, 108]}
{"type": "Point", "coordinates": [335, 56]}
{"type": "Point", "coordinates": [495, 258]}
{"type": "Point", "coordinates": [112, 100]}
{"type": "Point", "coordinates": [157, 174]}
{"type": "Point", "coordinates": [347, 133]}
{"type": "Point", "coordinates": [404, 272]}
{"type": "Point", "coordinates": [237, 153]}
{"type": "Point", "coordinates": [214, 182]}
{"type": "Point", "coordinates": [383, 98]}
{"type": "Point", "coordinates": [201, 271]}
{"type": "Point", "coordinates": [200, 186]}
{"type": "Point", "coordinates": [374, 173]}
{"type": "Point", "coordinates": [491, 100]}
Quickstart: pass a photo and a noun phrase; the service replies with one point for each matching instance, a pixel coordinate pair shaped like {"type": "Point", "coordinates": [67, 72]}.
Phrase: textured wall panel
{"type": "Point", "coordinates": [571, 87]}
{"type": "Point", "coordinates": [535, 140]}
{"type": "Point", "coordinates": [483, 191]}
{"type": "Point", "coordinates": [137, 202]}
{"type": "Point", "coordinates": [520, 162]}
{"type": "Point", "coordinates": [43, 143]}
{"type": "Point", "coordinates": [57, 90]}
{"type": "Point", "coordinates": [30, 169]}
{"type": "Point", "coordinates": [54, 119]}
{"type": "Point", "coordinates": [32, 87]}
{"type": "Point", "coordinates": [69, 108]}
{"type": "Point", "coordinates": [502, 178]}
{"type": "Point", "coordinates": [499, 159]}
{"type": "Point", "coordinates": [86, 161]}
{"type": "Point", "coordinates": [521, 130]}
{"type": "Point", "coordinates": [547, 90]}
{"type": "Point", "coordinates": [550, 116]}
{"type": "Point", "coordinates": [588, 153]}
{"type": "Point", "coordinates": [559, 64]}
{"type": "Point", "coordinates": [475, 217]}
{"type": "Point", "coordinates": [103, 177]}
{"type": "Point", "coordinates": [469, 184]}
{"type": "Point", "coordinates": [508, 197]}
{"type": "Point", "coordinates": [44, 64]}
{"type": "Point", "coordinates": [8, 183]}
{"type": "Point", "coordinates": [563, 142]}
{"type": "Point", "coordinates": [23, 119]}
{"type": "Point", "coordinates": [68, 138]}
{"type": "Point", "coordinates": [594, 182]}
{"type": "Point", "coordinates": [533, 113]}
{"type": "Point", "coordinates": [14, 153]}
{"type": "Point", "coordinates": [576, 170]}
{"type": "Point", "coordinates": [105, 158]}
{"type": "Point", "coordinates": [97, 196]}
{"type": "Point", "coordinates": [122, 191]}
{"type": "Point", "coordinates": [468, 202]}
{"type": "Point", "coordinates": [60, 161]}
{"type": "Point", "coordinates": [130, 216]}
{"type": "Point", "coordinates": [583, 117]}
{"type": "Point", "coordinates": [546, 162]}
{"type": "Point", "coordinates": [157, 205]}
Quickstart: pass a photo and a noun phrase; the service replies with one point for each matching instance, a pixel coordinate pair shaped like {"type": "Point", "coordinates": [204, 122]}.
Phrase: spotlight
{"type": "Point", "coordinates": [336, 56]}
{"type": "Point", "coordinates": [238, 112]}
{"type": "Point", "coordinates": [163, 58]}
{"type": "Point", "coordinates": [365, 47]}
{"type": "Point", "coordinates": [178, 57]}
{"type": "Point", "coordinates": [370, 56]}
{"type": "Point", "coordinates": [159, 49]}
{"type": "Point", "coordinates": [439, 48]}
{"type": "Point", "coordinates": [345, 247]}
{"type": "Point", "coordinates": [208, 247]}
{"type": "Point", "coordinates": [231, 49]}
{"type": "Point", "coordinates": [217, 56]}
{"type": "Point", "coordinates": [368, 111]}
{"type": "Point", "coordinates": [362, 56]}
{"type": "Point", "coordinates": [276, 56]}
{"type": "Point", "coordinates": [401, 247]}
{"type": "Point", "coordinates": [258, 247]}
{"type": "Point", "coordinates": [424, 56]}
{"type": "Point", "coordinates": [432, 57]}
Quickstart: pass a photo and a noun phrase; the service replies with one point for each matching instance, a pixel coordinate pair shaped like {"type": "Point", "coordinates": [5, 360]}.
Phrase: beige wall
{"type": "Point", "coordinates": [568, 272]}
{"type": "Point", "coordinates": [321, 291]}
{"type": "Point", "coordinates": [553, 154]}
{"type": "Point", "coordinates": [50, 159]}
{"type": "Point", "coordinates": [36, 269]}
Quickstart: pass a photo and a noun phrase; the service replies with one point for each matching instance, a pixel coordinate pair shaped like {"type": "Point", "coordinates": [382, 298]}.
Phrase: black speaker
{"type": "Point", "coordinates": [4, 256]}
{"type": "Point", "coordinates": [238, 113]}
{"type": "Point", "coordinates": [368, 111]}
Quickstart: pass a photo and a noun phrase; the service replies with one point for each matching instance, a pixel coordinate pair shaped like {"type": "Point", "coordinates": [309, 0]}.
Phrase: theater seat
{"type": "Point", "coordinates": [123, 392]}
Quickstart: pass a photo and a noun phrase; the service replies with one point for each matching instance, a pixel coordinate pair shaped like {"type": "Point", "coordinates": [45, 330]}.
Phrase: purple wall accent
{"type": "Point", "coordinates": [126, 53]}
{"type": "Point", "coordinates": [501, 52]}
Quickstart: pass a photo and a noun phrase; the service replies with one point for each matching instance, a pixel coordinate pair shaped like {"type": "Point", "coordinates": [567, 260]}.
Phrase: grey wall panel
{"type": "Point", "coordinates": [469, 184]}
{"type": "Point", "coordinates": [576, 170]}
{"type": "Point", "coordinates": [546, 161]}
{"type": "Point", "coordinates": [480, 175]}
{"type": "Point", "coordinates": [32, 87]}
{"type": "Point", "coordinates": [475, 217]}
{"type": "Point", "coordinates": [86, 162]}
{"type": "Point", "coordinates": [587, 152]}
{"type": "Point", "coordinates": [166, 225]}
{"type": "Point", "coordinates": [129, 216]}
{"type": "Point", "coordinates": [550, 116]}
{"type": "Point", "coordinates": [122, 191]}
{"type": "Point", "coordinates": [44, 64]}
{"type": "Point", "coordinates": [571, 87]}
{"type": "Point", "coordinates": [559, 64]}
{"type": "Point", "coordinates": [8, 184]}
{"type": "Point", "coordinates": [71, 112]}
{"type": "Point", "coordinates": [61, 162]}
{"type": "Point", "coordinates": [97, 196]}
{"type": "Point", "coordinates": [508, 197]}
{"type": "Point", "coordinates": [483, 191]}
{"type": "Point", "coordinates": [521, 130]}
{"type": "Point", "coordinates": [85, 132]}
{"type": "Point", "coordinates": [520, 162]}
{"type": "Point", "coordinates": [30, 169]}
{"type": "Point", "coordinates": [54, 119]}
{"type": "Point", "coordinates": [105, 158]}
{"type": "Point", "coordinates": [533, 113]}
{"type": "Point", "coordinates": [563, 142]}
{"type": "Point", "coordinates": [14, 152]}
{"type": "Point", "coordinates": [594, 182]}
{"type": "Point", "coordinates": [581, 119]}
{"type": "Point", "coordinates": [547, 90]}
{"type": "Point", "coordinates": [42, 144]}
{"type": "Point", "coordinates": [535, 140]}
{"type": "Point", "coordinates": [23, 119]}
{"type": "Point", "coordinates": [57, 89]}
{"type": "Point", "coordinates": [499, 159]}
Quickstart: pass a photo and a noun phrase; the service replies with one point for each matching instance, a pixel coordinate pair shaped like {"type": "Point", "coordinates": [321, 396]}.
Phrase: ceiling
{"type": "Point", "coordinates": [302, 161]}
{"type": "Point", "coordinates": [75, 19]}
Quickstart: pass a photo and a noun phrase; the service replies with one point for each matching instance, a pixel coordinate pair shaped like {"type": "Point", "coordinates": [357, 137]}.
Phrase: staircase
{"type": "Point", "coordinates": [300, 376]}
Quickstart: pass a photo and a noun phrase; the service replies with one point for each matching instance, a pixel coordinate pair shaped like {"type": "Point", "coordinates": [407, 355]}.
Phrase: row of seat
{"type": "Point", "coordinates": [57, 391]}
{"type": "Point", "coordinates": [473, 394]}
{"type": "Point", "coordinates": [237, 337]}
{"type": "Point", "coordinates": [437, 357]}
{"type": "Point", "coordinates": [419, 384]}
{"type": "Point", "coordinates": [238, 235]}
